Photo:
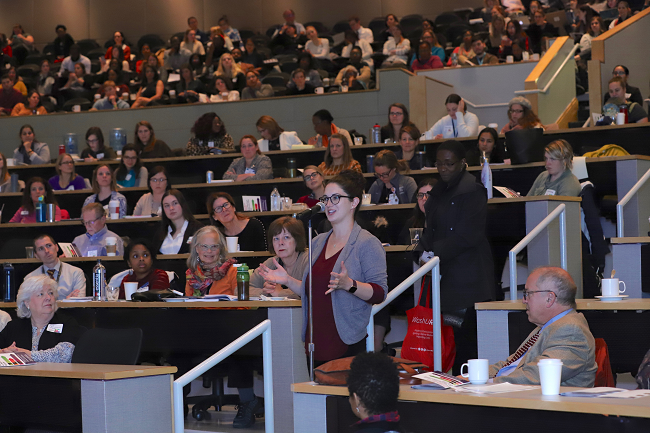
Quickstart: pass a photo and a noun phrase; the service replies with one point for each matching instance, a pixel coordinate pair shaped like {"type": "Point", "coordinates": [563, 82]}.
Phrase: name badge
{"type": "Point", "coordinates": [127, 177]}
{"type": "Point", "coordinates": [550, 192]}
{"type": "Point", "coordinates": [210, 144]}
{"type": "Point", "coordinates": [92, 253]}
{"type": "Point", "coordinates": [100, 156]}
{"type": "Point", "coordinates": [449, 130]}
{"type": "Point", "coordinates": [249, 171]}
{"type": "Point", "coordinates": [57, 329]}
{"type": "Point", "coordinates": [70, 188]}
{"type": "Point", "coordinates": [189, 240]}
{"type": "Point", "coordinates": [24, 213]}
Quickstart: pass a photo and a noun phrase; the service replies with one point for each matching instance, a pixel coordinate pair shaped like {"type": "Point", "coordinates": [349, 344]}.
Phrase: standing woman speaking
{"type": "Point", "coordinates": [349, 275]}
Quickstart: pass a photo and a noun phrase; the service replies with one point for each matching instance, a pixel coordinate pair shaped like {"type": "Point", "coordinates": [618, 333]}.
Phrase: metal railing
{"type": "Point", "coordinates": [433, 264]}
{"type": "Point", "coordinates": [569, 56]}
{"type": "Point", "coordinates": [263, 329]}
{"type": "Point", "coordinates": [619, 207]}
{"type": "Point", "coordinates": [561, 211]}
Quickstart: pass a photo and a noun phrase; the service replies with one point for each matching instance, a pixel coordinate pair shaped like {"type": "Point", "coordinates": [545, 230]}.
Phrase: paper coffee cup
{"type": "Point", "coordinates": [11, 162]}
{"type": "Point", "coordinates": [231, 243]}
{"type": "Point", "coordinates": [172, 93]}
{"type": "Point", "coordinates": [320, 90]}
{"type": "Point", "coordinates": [620, 118]}
{"type": "Point", "coordinates": [525, 55]}
{"type": "Point", "coordinates": [111, 246]}
{"type": "Point", "coordinates": [535, 57]}
{"type": "Point", "coordinates": [129, 289]}
{"type": "Point", "coordinates": [510, 59]}
{"type": "Point", "coordinates": [76, 108]}
{"type": "Point", "coordinates": [550, 375]}
{"type": "Point", "coordinates": [365, 199]}
{"type": "Point", "coordinates": [133, 95]}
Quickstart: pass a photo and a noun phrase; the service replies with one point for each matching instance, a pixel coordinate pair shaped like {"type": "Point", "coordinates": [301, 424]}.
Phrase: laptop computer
{"type": "Point", "coordinates": [558, 19]}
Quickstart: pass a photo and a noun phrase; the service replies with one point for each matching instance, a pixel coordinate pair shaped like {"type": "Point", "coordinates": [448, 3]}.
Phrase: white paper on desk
{"type": "Point", "coordinates": [580, 167]}
{"type": "Point", "coordinates": [493, 388]}
{"type": "Point", "coordinates": [607, 392]}
{"type": "Point", "coordinates": [629, 393]}
{"type": "Point", "coordinates": [171, 78]}
{"type": "Point", "coordinates": [78, 299]}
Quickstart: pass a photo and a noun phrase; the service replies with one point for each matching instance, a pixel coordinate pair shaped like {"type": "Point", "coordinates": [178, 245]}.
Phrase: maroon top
{"type": "Point", "coordinates": [157, 280]}
{"type": "Point", "coordinates": [8, 100]}
{"type": "Point", "coordinates": [308, 200]}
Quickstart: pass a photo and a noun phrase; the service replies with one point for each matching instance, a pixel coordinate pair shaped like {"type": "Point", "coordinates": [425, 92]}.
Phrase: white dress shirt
{"type": "Point", "coordinates": [71, 280]}
{"type": "Point", "coordinates": [465, 125]}
{"type": "Point", "coordinates": [173, 245]}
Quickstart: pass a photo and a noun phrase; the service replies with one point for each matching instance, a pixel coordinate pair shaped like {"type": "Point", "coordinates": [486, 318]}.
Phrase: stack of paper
{"type": "Point", "coordinates": [606, 392]}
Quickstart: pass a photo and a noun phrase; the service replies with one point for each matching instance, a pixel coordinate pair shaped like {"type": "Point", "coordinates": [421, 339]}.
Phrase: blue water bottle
{"type": "Point", "coordinates": [41, 210]}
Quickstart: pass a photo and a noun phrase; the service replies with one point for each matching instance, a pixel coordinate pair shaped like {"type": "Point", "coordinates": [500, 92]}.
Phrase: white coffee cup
{"type": "Point", "coordinates": [111, 246]}
{"type": "Point", "coordinates": [365, 199]}
{"type": "Point", "coordinates": [114, 209]}
{"type": "Point", "coordinates": [98, 96]}
{"type": "Point", "coordinates": [76, 108]}
{"type": "Point", "coordinates": [125, 96]}
{"type": "Point", "coordinates": [477, 371]}
{"type": "Point", "coordinates": [550, 375]}
{"type": "Point", "coordinates": [172, 93]}
{"type": "Point", "coordinates": [493, 125]}
{"type": "Point", "coordinates": [525, 56]}
{"type": "Point", "coordinates": [133, 96]}
{"type": "Point", "coordinates": [535, 56]}
{"type": "Point", "coordinates": [320, 90]}
{"type": "Point", "coordinates": [11, 162]}
{"type": "Point", "coordinates": [231, 243]}
{"type": "Point", "coordinates": [510, 59]}
{"type": "Point", "coordinates": [129, 289]}
{"type": "Point", "coordinates": [620, 118]}
{"type": "Point", "coordinates": [610, 287]}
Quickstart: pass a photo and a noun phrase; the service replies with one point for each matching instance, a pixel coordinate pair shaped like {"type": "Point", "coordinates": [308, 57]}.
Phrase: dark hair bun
{"type": "Point", "coordinates": [352, 182]}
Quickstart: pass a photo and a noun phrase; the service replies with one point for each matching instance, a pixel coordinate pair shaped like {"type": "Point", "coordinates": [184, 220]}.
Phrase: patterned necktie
{"type": "Point", "coordinates": [523, 349]}
{"type": "Point", "coordinates": [51, 272]}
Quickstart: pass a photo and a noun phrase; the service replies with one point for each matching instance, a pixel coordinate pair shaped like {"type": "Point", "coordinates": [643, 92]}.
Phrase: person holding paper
{"type": "Point", "coordinates": [93, 242]}
{"type": "Point", "coordinates": [561, 333]}
{"type": "Point", "coordinates": [71, 280]}
{"type": "Point", "coordinates": [40, 330]}
{"type": "Point", "coordinates": [224, 215]}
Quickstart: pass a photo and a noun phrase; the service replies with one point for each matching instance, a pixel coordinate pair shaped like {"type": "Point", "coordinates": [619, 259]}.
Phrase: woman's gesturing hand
{"type": "Point", "coordinates": [340, 281]}
{"type": "Point", "coordinates": [279, 275]}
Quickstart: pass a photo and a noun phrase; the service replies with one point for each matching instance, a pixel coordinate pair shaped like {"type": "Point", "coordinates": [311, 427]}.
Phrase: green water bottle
{"type": "Point", "coordinates": [243, 281]}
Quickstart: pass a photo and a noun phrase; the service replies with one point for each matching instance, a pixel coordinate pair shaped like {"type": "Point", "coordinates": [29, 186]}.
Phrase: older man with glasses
{"type": "Point", "coordinates": [93, 242]}
{"type": "Point", "coordinates": [561, 333]}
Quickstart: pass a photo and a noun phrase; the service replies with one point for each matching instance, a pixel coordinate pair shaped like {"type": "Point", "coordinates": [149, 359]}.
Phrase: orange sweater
{"type": "Point", "coordinates": [225, 286]}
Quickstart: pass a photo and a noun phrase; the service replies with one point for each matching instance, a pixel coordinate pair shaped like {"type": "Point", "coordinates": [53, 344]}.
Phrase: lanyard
{"type": "Point", "coordinates": [454, 127]}
{"type": "Point", "coordinates": [58, 276]}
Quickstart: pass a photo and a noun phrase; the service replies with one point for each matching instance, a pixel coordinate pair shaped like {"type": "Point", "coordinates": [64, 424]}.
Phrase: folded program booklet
{"type": "Point", "coordinates": [436, 380]}
{"type": "Point", "coordinates": [12, 359]}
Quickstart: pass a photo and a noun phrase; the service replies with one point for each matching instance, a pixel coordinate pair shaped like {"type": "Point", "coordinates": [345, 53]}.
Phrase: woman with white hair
{"type": "Point", "coordinates": [42, 332]}
{"type": "Point", "coordinates": [209, 271]}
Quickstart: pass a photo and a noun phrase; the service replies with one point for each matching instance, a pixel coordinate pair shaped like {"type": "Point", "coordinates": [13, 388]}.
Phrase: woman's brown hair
{"type": "Point", "coordinates": [210, 202]}
{"type": "Point", "coordinates": [386, 158]}
{"type": "Point", "coordinates": [347, 153]}
{"type": "Point", "coordinates": [269, 123]}
{"type": "Point", "coordinates": [96, 184]}
{"type": "Point", "coordinates": [294, 227]}
{"type": "Point", "coordinates": [152, 139]}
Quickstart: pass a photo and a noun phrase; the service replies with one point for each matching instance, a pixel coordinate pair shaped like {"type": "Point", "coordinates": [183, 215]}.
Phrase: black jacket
{"type": "Point", "coordinates": [456, 215]}
{"type": "Point", "coordinates": [192, 227]}
{"type": "Point", "coordinates": [20, 331]}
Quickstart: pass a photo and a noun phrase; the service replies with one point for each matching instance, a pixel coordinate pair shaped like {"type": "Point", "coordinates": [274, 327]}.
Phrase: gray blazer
{"type": "Point", "coordinates": [41, 154]}
{"type": "Point", "coordinates": [365, 260]}
{"type": "Point", "coordinates": [568, 339]}
{"type": "Point", "coordinates": [405, 188]}
{"type": "Point", "coordinates": [261, 164]}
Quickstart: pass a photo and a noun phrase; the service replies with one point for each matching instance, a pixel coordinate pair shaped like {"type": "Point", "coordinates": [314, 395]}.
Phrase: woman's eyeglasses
{"type": "Point", "coordinates": [309, 177]}
{"type": "Point", "coordinates": [220, 209]}
{"type": "Point", "coordinates": [156, 180]}
{"type": "Point", "coordinates": [204, 247]}
{"type": "Point", "coordinates": [334, 198]}
{"type": "Point", "coordinates": [421, 195]}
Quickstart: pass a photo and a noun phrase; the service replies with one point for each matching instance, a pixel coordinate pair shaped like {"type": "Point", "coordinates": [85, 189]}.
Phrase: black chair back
{"type": "Point", "coordinates": [108, 346]}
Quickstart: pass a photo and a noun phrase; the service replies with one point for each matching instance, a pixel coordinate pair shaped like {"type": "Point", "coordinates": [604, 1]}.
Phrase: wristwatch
{"type": "Point", "coordinates": [353, 288]}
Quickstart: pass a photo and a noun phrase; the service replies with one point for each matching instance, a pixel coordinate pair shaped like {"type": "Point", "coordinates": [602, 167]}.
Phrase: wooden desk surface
{"type": "Point", "coordinates": [531, 399]}
{"type": "Point", "coordinates": [631, 240]}
{"type": "Point", "coordinates": [583, 304]}
{"type": "Point", "coordinates": [86, 371]}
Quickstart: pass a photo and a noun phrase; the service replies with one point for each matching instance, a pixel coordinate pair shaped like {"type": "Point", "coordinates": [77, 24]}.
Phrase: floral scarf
{"type": "Point", "coordinates": [201, 280]}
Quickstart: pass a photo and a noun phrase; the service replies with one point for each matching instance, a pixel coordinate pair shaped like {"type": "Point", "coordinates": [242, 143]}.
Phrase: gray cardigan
{"type": "Point", "coordinates": [41, 154]}
{"type": "Point", "coordinates": [405, 188]}
{"type": "Point", "coordinates": [261, 164]}
{"type": "Point", "coordinates": [365, 260]}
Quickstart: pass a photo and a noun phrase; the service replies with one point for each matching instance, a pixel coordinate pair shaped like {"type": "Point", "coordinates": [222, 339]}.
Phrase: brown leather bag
{"type": "Point", "coordinates": [336, 372]}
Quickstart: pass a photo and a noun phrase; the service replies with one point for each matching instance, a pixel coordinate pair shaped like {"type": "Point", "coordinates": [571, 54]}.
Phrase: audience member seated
{"type": "Point", "coordinates": [5, 47]}
{"type": "Point", "coordinates": [458, 123]}
{"type": "Point", "coordinates": [31, 151]}
{"type": "Point", "coordinates": [373, 385]}
{"type": "Point", "coordinates": [17, 81]}
{"type": "Point", "coordinates": [357, 64]}
{"type": "Point", "coordinates": [561, 333]}
{"type": "Point", "coordinates": [231, 70]}
{"type": "Point", "coordinates": [317, 47]}
{"type": "Point", "coordinates": [177, 225]}
{"type": "Point", "coordinates": [300, 85]}
{"type": "Point", "coordinates": [223, 215]}
{"type": "Point", "coordinates": [643, 375]}
{"type": "Point", "coordinates": [217, 47]}
{"type": "Point", "coordinates": [496, 34]}
{"type": "Point", "coordinates": [37, 310]}
{"type": "Point", "coordinates": [175, 56]}
{"type": "Point", "coordinates": [5, 177]}
{"type": "Point", "coordinates": [273, 136]}
{"type": "Point", "coordinates": [617, 98]}
{"type": "Point", "coordinates": [96, 150]}
{"type": "Point", "coordinates": [150, 204]}
{"type": "Point", "coordinates": [145, 53]}
{"type": "Point", "coordinates": [34, 189]}
{"type": "Point", "coordinates": [233, 34]}
{"type": "Point", "coordinates": [210, 136]}
{"type": "Point", "coordinates": [120, 41]}
{"type": "Point", "coordinates": [79, 79]}
{"type": "Point", "coordinates": [141, 259]}
{"type": "Point", "coordinates": [514, 35]}
{"type": "Point", "coordinates": [117, 76]}
{"type": "Point", "coordinates": [398, 116]}
{"type": "Point", "coordinates": [46, 84]}
{"type": "Point", "coordinates": [223, 91]}
{"type": "Point", "coordinates": [68, 64]}
{"type": "Point", "coordinates": [209, 271]}
{"type": "Point", "coordinates": [31, 107]}
{"type": "Point", "coordinates": [596, 28]}
{"type": "Point", "coordinates": [289, 247]}
{"type": "Point", "coordinates": [634, 93]}
{"type": "Point", "coordinates": [391, 20]}
{"type": "Point", "coordinates": [490, 147]}
{"type": "Point", "coordinates": [66, 179]}
{"type": "Point", "coordinates": [188, 88]}
{"type": "Point", "coordinates": [93, 242]}
{"type": "Point", "coordinates": [481, 57]}
{"type": "Point", "coordinates": [287, 41]}
{"type": "Point", "coordinates": [347, 259]}
{"type": "Point", "coordinates": [312, 76]}
{"type": "Point", "coordinates": [71, 280]}
{"type": "Point", "coordinates": [252, 165]}
{"type": "Point", "coordinates": [558, 178]}
{"type": "Point", "coordinates": [9, 97]}
{"type": "Point", "coordinates": [338, 157]}
{"type": "Point", "coordinates": [290, 18]}
{"type": "Point", "coordinates": [131, 172]}
{"type": "Point", "coordinates": [390, 180]}
{"type": "Point", "coordinates": [352, 40]}
{"type": "Point", "coordinates": [416, 221]}
{"type": "Point", "coordinates": [251, 57]}
{"type": "Point", "coordinates": [117, 54]}
{"type": "Point", "coordinates": [191, 44]}
{"type": "Point", "coordinates": [146, 143]}
{"type": "Point", "coordinates": [539, 31]}
{"type": "Point", "coordinates": [396, 48]}
{"type": "Point", "coordinates": [436, 49]}
{"type": "Point", "coordinates": [198, 68]}
{"type": "Point", "coordinates": [521, 115]}
{"type": "Point", "coordinates": [200, 36]}
{"type": "Point", "coordinates": [254, 88]}
{"type": "Point", "coordinates": [513, 6]}
{"type": "Point", "coordinates": [624, 12]}
{"type": "Point", "coordinates": [105, 190]}
{"type": "Point", "coordinates": [22, 43]}
{"type": "Point", "coordinates": [409, 145]}
{"type": "Point", "coordinates": [315, 181]}
{"type": "Point", "coordinates": [110, 101]}
{"type": "Point", "coordinates": [324, 126]}
{"type": "Point", "coordinates": [464, 51]}
{"type": "Point", "coordinates": [425, 60]}
{"type": "Point", "coordinates": [362, 32]}
{"type": "Point", "coordinates": [151, 88]}
{"type": "Point", "coordinates": [517, 49]}
{"type": "Point", "coordinates": [486, 12]}
{"type": "Point", "coordinates": [62, 42]}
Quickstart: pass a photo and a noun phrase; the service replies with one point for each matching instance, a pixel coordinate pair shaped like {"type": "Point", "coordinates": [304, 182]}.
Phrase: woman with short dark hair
{"type": "Point", "coordinates": [273, 136]}
{"type": "Point", "coordinates": [224, 215]}
{"type": "Point", "coordinates": [188, 87]}
{"type": "Point", "coordinates": [96, 150]}
{"type": "Point", "coordinates": [177, 225]}
{"type": "Point", "coordinates": [131, 172]}
{"type": "Point", "coordinates": [488, 144]}
{"type": "Point", "coordinates": [31, 107]}
{"type": "Point", "coordinates": [146, 143]}
{"type": "Point", "coordinates": [151, 203]}
{"type": "Point", "coordinates": [209, 135]}
{"type": "Point", "coordinates": [390, 180]}
{"type": "Point", "coordinates": [31, 151]}
{"type": "Point", "coordinates": [222, 90]}
{"type": "Point", "coordinates": [457, 123]}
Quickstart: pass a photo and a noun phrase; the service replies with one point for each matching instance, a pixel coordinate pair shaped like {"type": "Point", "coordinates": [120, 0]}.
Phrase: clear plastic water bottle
{"type": "Point", "coordinates": [41, 213]}
{"type": "Point", "coordinates": [117, 139]}
{"type": "Point", "coordinates": [71, 143]}
{"type": "Point", "coordinates": [8, 283]}
{"type": "Point", "coordinates": [376, 134]}
{"type": "Point", "coordinates": [99, 282]}
{"type": "Point", "coordinates": [454, 59]}
{"type": "Point", "coordinates": [243, 281]}
{"type": "Point", "coordinates": [486, 175]}
{"type": "Point", "coordinates": [275, 200]}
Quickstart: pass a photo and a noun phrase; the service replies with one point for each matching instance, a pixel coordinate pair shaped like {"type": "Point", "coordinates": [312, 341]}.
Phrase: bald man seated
{"type": "Point", "coordinates": [561, 333]}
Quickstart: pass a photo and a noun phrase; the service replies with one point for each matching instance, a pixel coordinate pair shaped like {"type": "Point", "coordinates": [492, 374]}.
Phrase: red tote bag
{"type": "Point", "coordinates": [418, 343]}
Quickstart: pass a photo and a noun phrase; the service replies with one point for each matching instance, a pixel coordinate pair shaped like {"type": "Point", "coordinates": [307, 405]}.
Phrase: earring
{"type": "Point", "coordinates": [358, 410]}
